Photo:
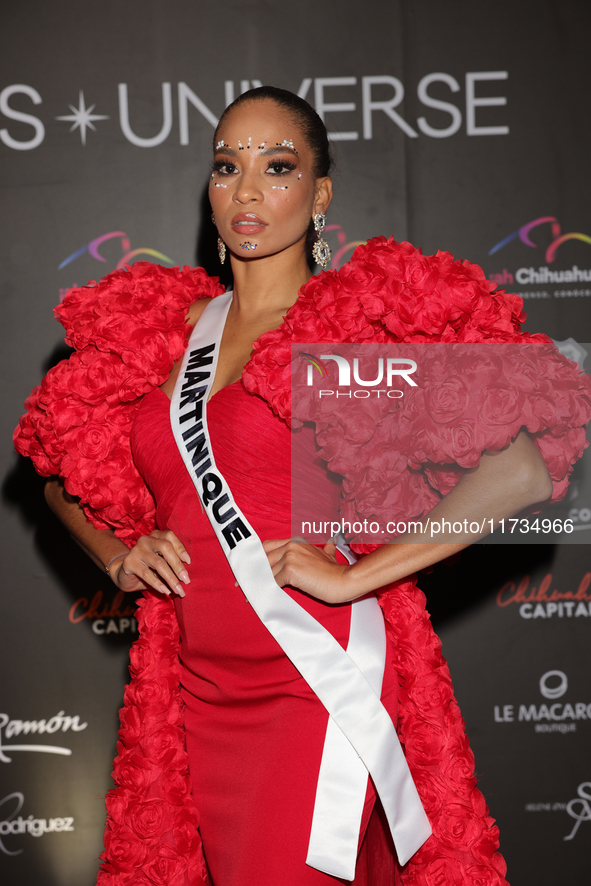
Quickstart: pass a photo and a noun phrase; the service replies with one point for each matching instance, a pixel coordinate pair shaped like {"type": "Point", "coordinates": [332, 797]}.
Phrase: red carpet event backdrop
{"type": "Point", "coordinates": [457, 126]}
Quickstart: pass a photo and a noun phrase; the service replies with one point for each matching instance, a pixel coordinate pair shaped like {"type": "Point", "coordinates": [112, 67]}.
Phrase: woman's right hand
{"type": "Point", "coordinates": [156, 561]}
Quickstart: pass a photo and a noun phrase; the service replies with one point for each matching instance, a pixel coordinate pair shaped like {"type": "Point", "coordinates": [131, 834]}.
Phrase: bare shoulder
{"type": "Point", "coordinates": [196, 309]}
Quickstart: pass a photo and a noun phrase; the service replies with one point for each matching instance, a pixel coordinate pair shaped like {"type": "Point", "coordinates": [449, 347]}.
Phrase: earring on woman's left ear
{"type": "Point", "coordinates": [321, 250]}
{"type": "Point", "coordinates": [221, 244]}
{"type": "Point", "coordinates": [221, 250]}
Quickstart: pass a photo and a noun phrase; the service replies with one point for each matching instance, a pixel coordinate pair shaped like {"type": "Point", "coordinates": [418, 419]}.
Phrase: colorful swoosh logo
{"type": "Point", "coordinates": [315, 361]}
{"type": "Point", "coordinates": [92, 249]}
{"type": "Point", "coordinates": [128, 254]}
{"type": "Point", "coordinates": [339, 257]}
{"type": "Point", "coordinates": [558, 238]}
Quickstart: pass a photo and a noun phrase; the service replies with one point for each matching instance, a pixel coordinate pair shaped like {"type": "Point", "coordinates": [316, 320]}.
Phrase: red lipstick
{"type": "Point", "coordinates": [247, 223]}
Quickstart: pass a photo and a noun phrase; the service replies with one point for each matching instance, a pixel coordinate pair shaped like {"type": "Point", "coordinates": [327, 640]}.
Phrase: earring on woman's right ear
{"type": "Point", "coordinates": [221, 250]}
{"type": "Point", "coordinates": [321, 250]}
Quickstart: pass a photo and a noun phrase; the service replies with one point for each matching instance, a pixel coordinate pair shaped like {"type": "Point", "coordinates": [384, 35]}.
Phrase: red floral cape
{"type": "Point", "coordinates": [128, 330]}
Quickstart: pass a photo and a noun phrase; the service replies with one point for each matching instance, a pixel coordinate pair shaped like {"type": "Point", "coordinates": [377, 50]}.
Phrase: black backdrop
{"type": "Point", "coordinates": [458, 126]}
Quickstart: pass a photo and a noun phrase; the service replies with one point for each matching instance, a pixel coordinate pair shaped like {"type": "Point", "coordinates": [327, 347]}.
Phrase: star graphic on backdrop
{"type": "Point", "coordinates": [82, 117]}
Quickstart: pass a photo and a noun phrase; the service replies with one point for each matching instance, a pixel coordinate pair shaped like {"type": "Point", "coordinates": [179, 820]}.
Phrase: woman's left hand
{"type": "Point", "coordinates": [306, 567]}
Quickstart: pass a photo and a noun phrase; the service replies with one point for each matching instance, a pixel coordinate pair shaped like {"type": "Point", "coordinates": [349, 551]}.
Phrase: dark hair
{"type": "Point", "coordinates": [313, 128]}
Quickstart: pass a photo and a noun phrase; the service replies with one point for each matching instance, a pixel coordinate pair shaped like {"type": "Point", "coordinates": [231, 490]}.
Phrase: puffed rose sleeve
{"type": "Point", "coordinates": [478, 397]}
{"type": "Point", "coordinates": [127, 330]}
{"type": "Point", "coordinates": [481, 379]}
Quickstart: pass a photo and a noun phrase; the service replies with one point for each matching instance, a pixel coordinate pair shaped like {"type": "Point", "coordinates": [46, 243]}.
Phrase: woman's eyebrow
{"type": "Point", "coordinates": [267, 152]}
{"type": "Point", "coordinates": [280, 149]}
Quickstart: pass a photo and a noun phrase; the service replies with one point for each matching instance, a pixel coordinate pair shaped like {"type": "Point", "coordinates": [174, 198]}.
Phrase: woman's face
{"type": "Point", "coordinates": [263, 190]}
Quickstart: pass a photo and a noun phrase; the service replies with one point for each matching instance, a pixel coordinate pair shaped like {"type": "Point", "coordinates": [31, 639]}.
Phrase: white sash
{"type": "Point", "coordinates": [360, 736]}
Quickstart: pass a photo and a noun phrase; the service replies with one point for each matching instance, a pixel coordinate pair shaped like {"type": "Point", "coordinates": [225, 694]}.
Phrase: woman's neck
{"type": "Point", "coordinates": [268, 285]}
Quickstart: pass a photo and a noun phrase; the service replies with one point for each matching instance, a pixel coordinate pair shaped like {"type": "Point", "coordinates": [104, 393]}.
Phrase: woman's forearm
{"type": "Point", "coordinates": [101, 545]}
{"type": "Point", "coordinates": [503, 484]}
{"type": "Point", "coordinates": [156, 561]}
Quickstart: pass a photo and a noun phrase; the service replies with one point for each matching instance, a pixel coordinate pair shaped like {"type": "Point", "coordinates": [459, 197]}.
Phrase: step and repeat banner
{"type": "Point", "coordinates": [461, 127]}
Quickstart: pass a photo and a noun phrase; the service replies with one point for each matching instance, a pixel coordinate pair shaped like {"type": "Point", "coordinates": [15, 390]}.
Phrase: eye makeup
{"type": "Point", "coordinates": [219, 165]}
{"type": "Point", "coordinates": [276, 167]}
{"type": "Point", "coordinates": [285, 165]}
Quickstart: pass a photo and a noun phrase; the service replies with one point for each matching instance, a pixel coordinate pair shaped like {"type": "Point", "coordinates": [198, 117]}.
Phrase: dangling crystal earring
{"type": "Point", "coordinates": [321, 249]}
{"type": "Point", "coordinates": [221, 244]}
{"type": "Point", "coordinates": [221, 250]}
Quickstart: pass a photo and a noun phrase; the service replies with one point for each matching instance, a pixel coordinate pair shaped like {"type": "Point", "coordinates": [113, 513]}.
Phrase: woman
{"type": "Point", "coordinates": [255, 730]}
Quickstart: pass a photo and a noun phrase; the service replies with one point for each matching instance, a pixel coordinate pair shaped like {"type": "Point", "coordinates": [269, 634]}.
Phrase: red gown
{"type": "Point", "coordinates": [254, 729]}
{"type": "Point", "coordinates": [128, 330]}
